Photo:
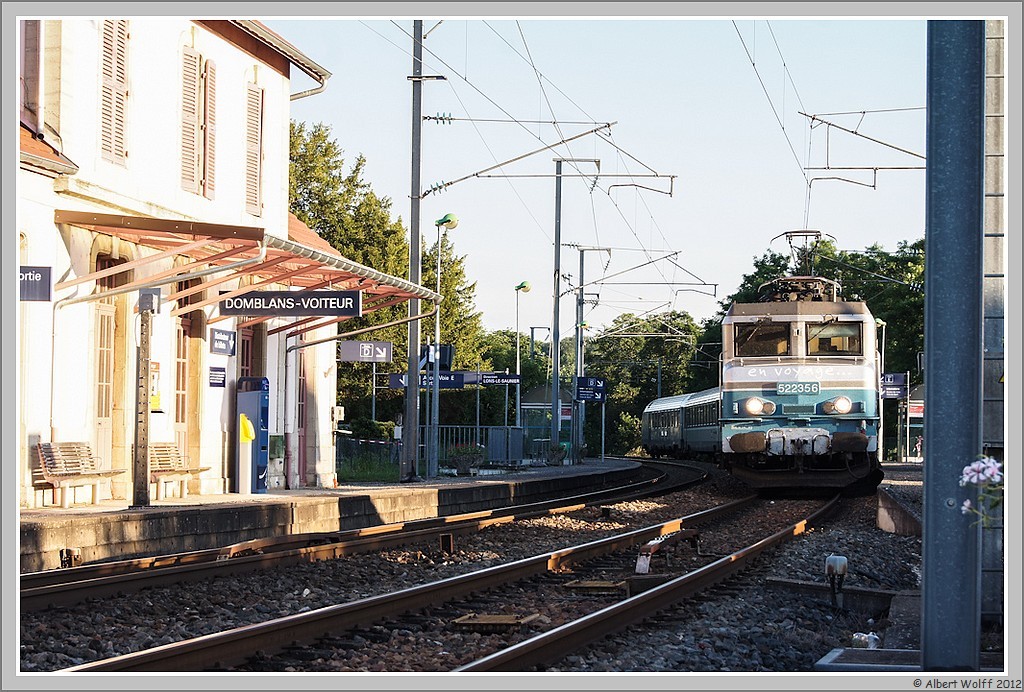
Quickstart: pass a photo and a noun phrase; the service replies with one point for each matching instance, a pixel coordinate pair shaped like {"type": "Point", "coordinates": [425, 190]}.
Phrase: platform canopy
{"type": "Point", "coordinates": [211, 255]}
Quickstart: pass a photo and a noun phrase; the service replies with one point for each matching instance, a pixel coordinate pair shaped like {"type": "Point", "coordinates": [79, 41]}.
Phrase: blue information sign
{"type": "Point", "coordinates": [590, 389]}
{"type": "Point", "coordinates": [222, 341]}
{"type": "Point", "coordinates": [218, 377]}
{"type": "Point", "coordinates": [446, 380]}
{"type": "Point", "coordinates": [35, 282]}
{"type": "Point", "coordinates": [893, 385]}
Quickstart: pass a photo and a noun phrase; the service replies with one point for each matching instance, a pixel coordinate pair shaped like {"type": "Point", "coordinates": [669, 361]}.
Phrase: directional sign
{"type": "Point", "coordinates": [364, 351]}
{"type": "Point", "coordinates": [894, 391]}
{"type": "Point", "coordinates": [589, 394]}
{"type": "Point", "coordinates": [590, 389]}
{"type": "Point", "coordinates": [222, 341]}
{"type": "Point", "coordinates": [893, 385]}
{"type": "Point", "coordinates": [487, 378]}
{"type": "Point", "coordinates": [446, 380]}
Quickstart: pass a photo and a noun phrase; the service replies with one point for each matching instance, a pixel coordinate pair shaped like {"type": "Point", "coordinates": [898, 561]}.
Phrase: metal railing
{"type": "Point", "coordinates": [498, 444]}
{"type": "Point", "coordinates": [366, 460]}
{"type": "Point", "coordinates": [459, 446]}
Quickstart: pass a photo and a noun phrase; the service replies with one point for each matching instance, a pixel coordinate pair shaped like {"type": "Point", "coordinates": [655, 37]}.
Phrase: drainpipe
{"type": "Point", "coordinates": [289, 421]}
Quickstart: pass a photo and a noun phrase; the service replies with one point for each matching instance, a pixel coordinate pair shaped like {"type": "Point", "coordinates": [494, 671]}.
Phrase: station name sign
{"type": "Point", "coordinates": [295, 303]}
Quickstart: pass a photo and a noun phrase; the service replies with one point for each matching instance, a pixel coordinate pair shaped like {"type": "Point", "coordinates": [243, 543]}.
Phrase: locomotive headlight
{"type": "Point", "coordinates": [840, 405]}
{"type": "Point", "coordinates": [756, 407]}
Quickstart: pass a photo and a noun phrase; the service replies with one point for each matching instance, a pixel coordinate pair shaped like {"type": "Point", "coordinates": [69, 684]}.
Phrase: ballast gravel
{"type": "Point", "coordinates": [754, 626]}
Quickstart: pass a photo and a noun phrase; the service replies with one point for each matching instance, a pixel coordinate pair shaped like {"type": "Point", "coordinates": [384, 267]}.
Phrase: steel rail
{"type": "Point", "coordinates": [570, 637]}
{"type": "Point", "coordinates": [235, 646]}
{"type": "Point", "coordinates": [41, 590]}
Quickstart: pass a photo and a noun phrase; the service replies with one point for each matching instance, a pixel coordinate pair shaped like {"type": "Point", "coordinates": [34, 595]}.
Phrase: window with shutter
{"type": "Point", "coordinates": [190, 120]}
{"type": "Point", "coordinates": [253, 149]}
{"type": "Point", "coordinates": [114, 91]}
{"type": "Point", "coordinates": [198, 122]}
{"type": "Point", "coordinates": [209, 126]}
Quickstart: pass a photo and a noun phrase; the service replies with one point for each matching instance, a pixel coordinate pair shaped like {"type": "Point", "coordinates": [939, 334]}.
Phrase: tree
{"type": "Point", "coordinates": [343, 210]}
{"type": "Point", "coordinates": [892, 285]}
{"type": "Point", "coordinates": [461, 323]}
{"type": "Point", "coordinates": [636, 356]}
{"type": "Point", "coordinates": [768, 267]}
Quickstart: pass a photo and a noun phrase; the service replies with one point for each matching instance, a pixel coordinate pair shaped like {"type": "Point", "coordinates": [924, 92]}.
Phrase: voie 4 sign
{"type": "Point", "coordinates": [295, 303]}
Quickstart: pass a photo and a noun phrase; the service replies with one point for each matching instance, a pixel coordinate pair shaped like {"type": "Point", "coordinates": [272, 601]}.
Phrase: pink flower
{"type": "Point", "coordinates": [981, 472]}
{"type": "Point", "coordinates": [966, 508]}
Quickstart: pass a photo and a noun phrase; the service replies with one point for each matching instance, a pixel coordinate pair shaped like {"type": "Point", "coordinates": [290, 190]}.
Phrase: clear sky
{"type": "Point", "coordinates": [687, 102]}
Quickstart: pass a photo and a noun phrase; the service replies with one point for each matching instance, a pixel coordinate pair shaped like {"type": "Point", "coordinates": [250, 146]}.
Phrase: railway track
{"type": "Point", "coordinates": [62, 587]}
{"type": "Point", "coordinates": [234, 649]}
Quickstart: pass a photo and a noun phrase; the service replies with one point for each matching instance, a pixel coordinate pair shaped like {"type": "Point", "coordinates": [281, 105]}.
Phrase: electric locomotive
{"type": "Point", "coordinates": [798, 401]}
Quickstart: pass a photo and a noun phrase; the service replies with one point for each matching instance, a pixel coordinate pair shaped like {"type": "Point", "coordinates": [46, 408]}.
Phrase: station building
{"type": "Point", "coordinates": [154, 164]}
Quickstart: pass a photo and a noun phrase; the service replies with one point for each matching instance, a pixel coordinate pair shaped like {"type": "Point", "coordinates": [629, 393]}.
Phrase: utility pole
{"type": "Point", "coordinates": [556, 294]}
{"type": "Point", "coordinates": [411, 427]}
{"type": "Point", "coordinates": [148, 301]}
{"type": "Point", "coordinates": [580, 407]}
{"type": "Point", "coordinates": [954, 270]}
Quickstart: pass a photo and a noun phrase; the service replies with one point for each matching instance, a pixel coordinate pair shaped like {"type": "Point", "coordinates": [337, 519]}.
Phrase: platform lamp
{"type": "Point", "coordinates": [523, 287]}
{"type": "Point", "coordinates": [448, 221]}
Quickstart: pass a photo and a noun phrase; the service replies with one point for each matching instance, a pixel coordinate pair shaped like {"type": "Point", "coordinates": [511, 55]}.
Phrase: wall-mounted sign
{"type": "Point", "coordinates": [154, 387]}
{"type": "Point", "coordinates": [222, 341]}
{"type": "Point", "coordinates": [364, 351]}
{"type": "Point", "coordinates": [218, 377]}
{"type": "Point", "coordinates": [35, 283]}
{"type": "Point", "coordinates": [295, 303]}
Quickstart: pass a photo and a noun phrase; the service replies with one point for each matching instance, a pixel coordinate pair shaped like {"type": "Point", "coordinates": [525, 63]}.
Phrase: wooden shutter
{"type": "Point", "coordinates": [114, 90]}
{"type": "Point", "coordinates": [253, 148]}
{"type": "Point", "coordinates": [190, 120]}
{"type": "Point", "coordinates": [209, 127]}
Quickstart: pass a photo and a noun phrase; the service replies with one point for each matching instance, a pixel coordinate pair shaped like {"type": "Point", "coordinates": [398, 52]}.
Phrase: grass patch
{"type": "Point", "coordinates": [367, 468]}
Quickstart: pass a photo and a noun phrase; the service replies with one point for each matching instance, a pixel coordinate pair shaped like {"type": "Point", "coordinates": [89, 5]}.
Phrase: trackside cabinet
{"type": "Point", "coordinates": [252, 439]}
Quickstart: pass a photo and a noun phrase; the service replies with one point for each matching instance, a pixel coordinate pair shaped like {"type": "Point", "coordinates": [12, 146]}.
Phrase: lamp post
{"type": "Point", "coordinates": [523, 287]}
{"type": "Point", "coordinates": [449, 221]}
{"type": "Point", "coordinates": [881, 324]}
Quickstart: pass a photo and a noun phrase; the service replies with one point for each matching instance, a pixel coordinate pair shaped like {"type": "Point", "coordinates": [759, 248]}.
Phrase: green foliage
{"type": "Point", "coordinates": [892, 285]}
{"type": "Point", "coordinates": [632, 364]}
{"type": "Point", "coordinates": [461, 323]}
{"type": "Point", "coordinates": [767, 267]}
{"type": "Point", "coordinates": [704, 372]}
{"type": "Point", "coordinates": [465, 457]}
{"type": "Point", "coordinates": [345, 212]}
{"type": "Point", "coordinates": [367, 429]}
{"type": "Point", "coordinates": [367, 468]}
{"type": "Point", "coordinates": [627, 429]}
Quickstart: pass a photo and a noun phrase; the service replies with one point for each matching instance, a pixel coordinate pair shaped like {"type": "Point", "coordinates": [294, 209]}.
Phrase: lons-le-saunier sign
{"type": "Point", "coordinates": [295, 303]}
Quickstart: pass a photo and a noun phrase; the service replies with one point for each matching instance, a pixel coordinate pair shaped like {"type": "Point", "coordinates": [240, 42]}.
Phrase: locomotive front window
{"type": "Point", "coordinates": [834, 340]}
{"type": "Point", "coordinates": [762, 340]}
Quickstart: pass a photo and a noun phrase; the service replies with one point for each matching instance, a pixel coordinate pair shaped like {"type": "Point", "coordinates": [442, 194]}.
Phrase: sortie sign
{"type": "Point", "coordinates": [295, 303]}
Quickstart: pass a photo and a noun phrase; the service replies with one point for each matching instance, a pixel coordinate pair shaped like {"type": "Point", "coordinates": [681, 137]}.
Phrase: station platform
{"type": "Point", "coordinates": [112, 529]}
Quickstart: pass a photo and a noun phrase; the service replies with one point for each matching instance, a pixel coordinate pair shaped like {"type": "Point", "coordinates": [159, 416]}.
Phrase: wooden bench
{"type": "Point", "coordinates": [70, 465]}
{"type": "Point", "coordinates": [167, 464]}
